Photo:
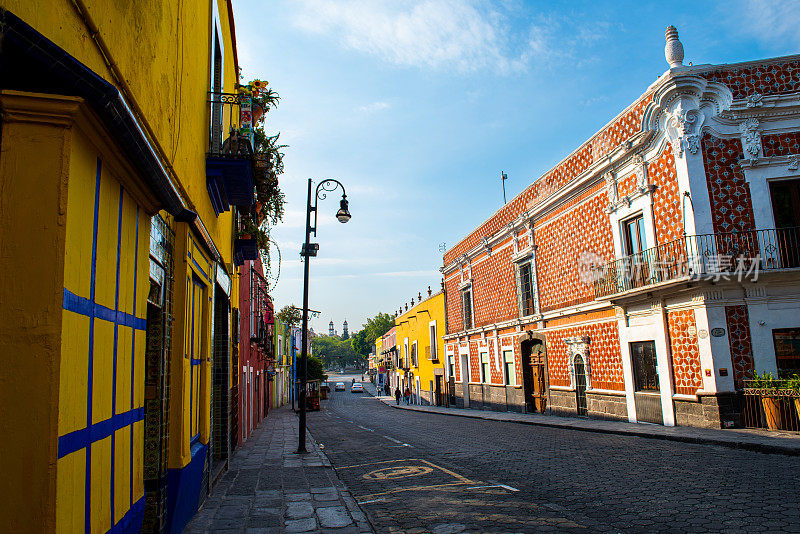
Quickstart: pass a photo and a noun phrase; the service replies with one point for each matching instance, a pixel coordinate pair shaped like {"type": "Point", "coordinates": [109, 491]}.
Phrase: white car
{"type": "Point", "coordinates": [339, 387]}
{"type": "Point", "coordinates": [357, 388]}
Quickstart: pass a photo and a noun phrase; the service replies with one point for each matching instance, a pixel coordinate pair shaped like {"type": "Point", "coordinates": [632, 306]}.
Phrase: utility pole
{"type": "Point", "coordinates": [503, 178]}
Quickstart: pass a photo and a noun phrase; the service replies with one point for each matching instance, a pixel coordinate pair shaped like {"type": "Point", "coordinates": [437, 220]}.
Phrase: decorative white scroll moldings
{"type": "Point", "coordinates": [521, 253]}
{"type": "Point", "coordinates": [642, 186]}
{"type": "Point", "coordinates": [756, 100]}
{"type": "Point", "coordinates": [642, 179]}
{"type": "Point", "coordinates": [579, 345]}
{"type": "Point", "coordinates": [682, 106]}
{"type": "Point", "coordinates": [751, 137]}
{"type": "Point", "coordinates": [683, 128]}
{"type": "Point", "coordinates": [611, 188]}
{"type": "Point", "coordinates": [794, 162]}
{"type": "Point", "coordinates": [486, 246]}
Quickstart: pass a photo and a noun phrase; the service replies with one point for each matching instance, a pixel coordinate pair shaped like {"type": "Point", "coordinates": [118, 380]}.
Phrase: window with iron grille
{"type": "Point", "coordinates": [526, 292]}
{"type": "Point", "coordinates": [466, 307]}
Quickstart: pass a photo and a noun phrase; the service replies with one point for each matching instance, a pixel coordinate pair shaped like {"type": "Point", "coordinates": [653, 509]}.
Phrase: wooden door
{"type": "Point", "coordinates": [539, 394]}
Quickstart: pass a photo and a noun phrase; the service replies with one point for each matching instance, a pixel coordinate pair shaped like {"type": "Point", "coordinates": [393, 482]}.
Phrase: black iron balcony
{"type": "Point", "coordinates": [707, 256]}
{"type": "Point", "coordinates": [229, 162]}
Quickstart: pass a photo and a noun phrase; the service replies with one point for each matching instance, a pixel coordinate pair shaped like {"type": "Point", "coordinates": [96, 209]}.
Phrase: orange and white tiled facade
{"type": "Point", "coordinates": [531, 325]}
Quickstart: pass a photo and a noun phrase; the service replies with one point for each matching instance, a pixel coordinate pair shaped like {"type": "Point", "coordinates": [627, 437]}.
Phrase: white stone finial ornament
{"type": "Point", "coordinates": [673, 51]}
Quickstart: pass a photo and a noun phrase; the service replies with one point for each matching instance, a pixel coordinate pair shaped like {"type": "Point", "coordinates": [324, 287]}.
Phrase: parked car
{"type": "Point", "coordinates": [357, 388]}
{"type": "Point", "coordinates": [339, 386]}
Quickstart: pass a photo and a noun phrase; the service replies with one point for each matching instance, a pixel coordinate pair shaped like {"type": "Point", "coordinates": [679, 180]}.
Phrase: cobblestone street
{"type": "Point", "coordinates": [270, 489]}
{"type": "Point", "coordinates": [421, 472]}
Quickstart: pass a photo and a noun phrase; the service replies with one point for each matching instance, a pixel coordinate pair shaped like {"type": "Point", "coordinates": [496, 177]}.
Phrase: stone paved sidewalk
{"type": "Point", "coordinates": [270, 489]}
{"type": "Point", "coordinates": [749, 439]}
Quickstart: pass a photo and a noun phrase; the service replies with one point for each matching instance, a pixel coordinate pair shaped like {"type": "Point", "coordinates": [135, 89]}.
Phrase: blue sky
{"type": "Point", "coordinates": [416, 106]}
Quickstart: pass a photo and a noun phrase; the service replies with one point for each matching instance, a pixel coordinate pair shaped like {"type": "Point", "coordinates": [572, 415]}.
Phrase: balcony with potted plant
{"type": "Point", "coordinates": [232, 150]}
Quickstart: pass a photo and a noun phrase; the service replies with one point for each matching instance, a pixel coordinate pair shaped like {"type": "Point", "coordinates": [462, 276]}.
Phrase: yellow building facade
{"type": "Point", "coordinates": [420, 354]}
{"type": "Point", "coordinates": [115, 303]}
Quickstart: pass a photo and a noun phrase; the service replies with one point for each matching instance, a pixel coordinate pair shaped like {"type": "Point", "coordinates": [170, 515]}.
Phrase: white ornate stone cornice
{"type": "Point", "coordinates": [792, 162]}
{"type": "Point", "coordinates": [680, 107]}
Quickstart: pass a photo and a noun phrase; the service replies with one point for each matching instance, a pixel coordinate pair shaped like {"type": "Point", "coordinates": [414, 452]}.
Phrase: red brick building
{"type": "Point", "coordinates": [612, 287]}
{"type": "Point", "coordinates": [257, 359]}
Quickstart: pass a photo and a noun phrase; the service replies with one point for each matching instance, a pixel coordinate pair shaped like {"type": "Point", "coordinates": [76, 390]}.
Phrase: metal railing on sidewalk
{"type": "Point", "coordinates": [775, 408]}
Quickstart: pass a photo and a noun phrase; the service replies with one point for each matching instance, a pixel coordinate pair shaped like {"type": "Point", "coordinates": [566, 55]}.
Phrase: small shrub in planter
{"type": "Point", "coordinates": [794, 386]}
{"type": "Point", "coordinates": [769, 398]}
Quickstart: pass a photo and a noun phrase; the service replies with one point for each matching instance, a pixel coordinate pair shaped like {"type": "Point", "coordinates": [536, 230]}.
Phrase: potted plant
{"type": "Point", "coordinates": [262, 97]}
{"type": "Point", "coordinates": [250, 238]}
{"type": "Point", "coordinates": [769, 400]}
{"type": "Point", "coordinates": [794, 386]}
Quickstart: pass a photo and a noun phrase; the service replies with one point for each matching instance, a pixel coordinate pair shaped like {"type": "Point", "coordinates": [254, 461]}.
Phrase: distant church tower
{"type": "Point", "coordinates": [330, 329]}
{"type": "Point", "coordinates": [344, 329]}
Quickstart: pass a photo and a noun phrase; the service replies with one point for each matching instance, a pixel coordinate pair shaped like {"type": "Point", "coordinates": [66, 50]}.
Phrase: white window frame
{"type": "Point", "coordinates": [506, 381]}
{"type": "Point", "coordinates": [465, 289]}
{"type": "Point", "coordinates": [433, 335]}
{"type": "Point", "coordinates": [529, 258]}
{"type": "Point", "coordinates": [462, 352]}
{"type": "Point", "coordinates": [481, 355]}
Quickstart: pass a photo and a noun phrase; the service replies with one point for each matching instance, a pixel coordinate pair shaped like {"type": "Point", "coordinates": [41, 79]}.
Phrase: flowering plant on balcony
{"type": "Point", "coordinates": [262, 97]}
{"type": "Point", "coordinates": [250, 230]}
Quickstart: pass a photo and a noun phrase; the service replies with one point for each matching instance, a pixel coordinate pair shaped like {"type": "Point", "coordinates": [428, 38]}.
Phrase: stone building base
{"type": "Point", "coordinates": [721, 410]}
{"type": "Point", "coordinates": [491, 397]}
{"type": "Point", "coordinates": [599, 405]}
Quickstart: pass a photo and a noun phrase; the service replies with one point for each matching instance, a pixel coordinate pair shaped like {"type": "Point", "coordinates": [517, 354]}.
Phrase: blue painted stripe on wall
{"type": "Point", "coordinates": [88, 482]}
{"type": "Point", "coordinates": [133, 340]}
{"type": "Point", "coordinates": [84, 306]}
{"type": "Point", "coordinates": [200, 269]}
{"type": "Point", "coordinates": [131, 521]}
{"type": "Point", "coordinates": [79, 439]}
{"type": "Point", "coordinates": [114, 361]}
{"type": "Point", "coordinates": [197, 249]}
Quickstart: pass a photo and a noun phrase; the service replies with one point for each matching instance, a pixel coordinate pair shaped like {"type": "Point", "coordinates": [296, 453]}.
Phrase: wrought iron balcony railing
{"type": "Point", "coordinates": [230, 159]}
{"type": "Point", "coordinates": [230, 131]}
{"type": "Point", "coordinates": [710, 256]}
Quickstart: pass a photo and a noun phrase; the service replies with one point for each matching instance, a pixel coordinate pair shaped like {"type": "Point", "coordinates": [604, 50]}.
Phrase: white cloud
{"type": "Point", "coordinates": [375, 106]}
{"type": "Point", "coordinates": [772, 21]}
{"type": "Point", "coordinates": [463, 34]}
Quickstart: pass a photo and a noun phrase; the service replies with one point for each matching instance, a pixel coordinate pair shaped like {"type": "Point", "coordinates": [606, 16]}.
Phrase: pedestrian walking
{"type": "Point", "coordinates": [397, 395]}
{"type": "Point", "coordinates": [387, 389]}
{"type": "Point", "coordinates": [407, 395]}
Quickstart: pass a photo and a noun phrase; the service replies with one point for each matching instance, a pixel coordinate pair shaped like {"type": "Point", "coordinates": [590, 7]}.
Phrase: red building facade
{"type": "Point", "coordinates": [651, 271]}
{"type": "Point", "coordinates": [256, 358]}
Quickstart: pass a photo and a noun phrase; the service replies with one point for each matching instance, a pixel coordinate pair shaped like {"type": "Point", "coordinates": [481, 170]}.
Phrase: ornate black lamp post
{"type": "Point", "coordinates": [309, 250]}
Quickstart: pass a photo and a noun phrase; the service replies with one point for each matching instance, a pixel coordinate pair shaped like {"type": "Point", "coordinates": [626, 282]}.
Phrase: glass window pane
{"type": "Point", "coordinates": [645, 369]}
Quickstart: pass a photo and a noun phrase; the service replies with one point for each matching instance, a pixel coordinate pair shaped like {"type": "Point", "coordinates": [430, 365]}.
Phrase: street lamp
{"type": "Point", "coordinates": [310, 249]}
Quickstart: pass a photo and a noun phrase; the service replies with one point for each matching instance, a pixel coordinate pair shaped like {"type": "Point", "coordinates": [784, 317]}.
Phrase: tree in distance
{"type": "Point", "coordinates": [290, 315]}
